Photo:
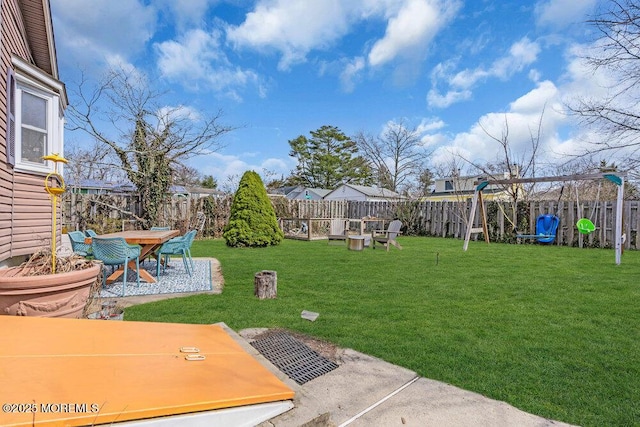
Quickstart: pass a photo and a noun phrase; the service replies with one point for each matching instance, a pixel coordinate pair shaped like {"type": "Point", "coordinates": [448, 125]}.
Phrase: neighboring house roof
{"type": "Point", "coordinates": [320, 191]}
{"type": "Point", "coordinates": [370, 193]}
{"type": "Point", "coordinates": [88, 183]}
{"type": "Point", "coordinates": [128, 187]}
{"type": "Point", "coordinates": [288, 189]}
{"type": "Point", "coordinates": [375, 191]}
{"type": "Point", "coordinates": [204, 191]}
{"type": "Point", "coordinates": [297, 192]}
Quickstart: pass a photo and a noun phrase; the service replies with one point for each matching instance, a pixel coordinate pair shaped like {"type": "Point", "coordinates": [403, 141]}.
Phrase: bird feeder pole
{"type": "Point", "coordinates": [54, 192]}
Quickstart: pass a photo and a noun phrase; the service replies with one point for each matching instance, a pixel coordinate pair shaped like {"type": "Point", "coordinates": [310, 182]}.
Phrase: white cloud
{"type": "Point", "coordinates": [429, 125]}
{"type": "Point", "coordinates": [426, 128]}
{"type": "Point", "coordinates": [521, 54]}
{"type": "Point", "coordinates": [186, 13]}
{"type": "Point", "coordinates": [134, 75]}
{"type": "Point", "coordinates": [190, 55]}
{"type": "Point", "coordinates": [520, 123]}
{"type": "Point", "coordinates": [537, 99]}
{"type": "Point", "coordinates": [294, 28]}
{"type": "Point", "coordinates": [351, 73]}
{"type": "Point", "coordinates": [222, 166]}
{"type": "Point", "coordinates": [435, 99]}
{"type": "Point", "coordinates": [560, 13]}
{"type": "Point", "coordinates": [86, 28]}
{"type": "Point", "coordinates": [197, 59]}
{"type": "Point", "coordinates": [409, 32]}
{"type": "Point", "coordinates": [169, 113]}
{"type": "Point", "coordinates": [582, 80]}
{"type": "Point", "coordinates": [291, 27]}
{"type": "Point", "coordinates": [562, 135]}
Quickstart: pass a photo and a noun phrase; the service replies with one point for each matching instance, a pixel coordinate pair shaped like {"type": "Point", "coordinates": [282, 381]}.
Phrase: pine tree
{"type": "Point", "coordinates": [328, 159]}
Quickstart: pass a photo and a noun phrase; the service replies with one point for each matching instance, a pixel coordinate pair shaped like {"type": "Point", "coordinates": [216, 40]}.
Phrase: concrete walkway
{"type": "Point", "coordinates": [366, 391]}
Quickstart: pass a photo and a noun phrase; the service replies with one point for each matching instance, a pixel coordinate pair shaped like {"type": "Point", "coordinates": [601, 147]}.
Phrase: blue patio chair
{"type": "Point", "coordinates": [155, 228]}
{"type": "Point", "coordinates": [177, 246]}
{"type": "Point", "coordinates": [116, 251]}
{"type": "Point", "coordinates": [77, 243]}
{"type": "Point", "coordinates": [90, 233]}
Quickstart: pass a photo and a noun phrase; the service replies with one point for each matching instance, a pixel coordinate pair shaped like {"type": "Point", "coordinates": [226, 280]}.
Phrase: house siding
{"type": "Point", "coordinates": [25, 208]}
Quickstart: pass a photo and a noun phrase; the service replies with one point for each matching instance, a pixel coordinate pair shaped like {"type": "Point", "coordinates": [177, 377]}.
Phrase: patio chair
{"type": "Point", "coordinates": [90, 233]}
{"type": "Point", "coordinates": [160, 228]}
{"type": "Point", "coordinates": [338, 230]}
{"type": "Point", "coordinates": [388, 236]}
{"type": "Point", "coordinates": [116, 251]}
{"type": "Point", "coordinates": [177, 246]}
{"type": "Point", "coordinates": [77, 243]}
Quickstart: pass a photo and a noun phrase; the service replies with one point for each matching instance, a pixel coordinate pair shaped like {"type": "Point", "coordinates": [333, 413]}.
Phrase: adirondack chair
{"type": "Point", "coordinates": [388, 236]}
{"type": "Point", "coordinates": [338, 230]}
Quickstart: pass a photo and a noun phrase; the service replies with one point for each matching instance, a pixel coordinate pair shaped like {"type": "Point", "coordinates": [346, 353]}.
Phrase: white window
{"type": "Point", "coordinates": [34, 117]}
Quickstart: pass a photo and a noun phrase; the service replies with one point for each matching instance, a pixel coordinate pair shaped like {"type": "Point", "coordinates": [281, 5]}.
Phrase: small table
{"type": "Point", "coordinates": [358, 242]}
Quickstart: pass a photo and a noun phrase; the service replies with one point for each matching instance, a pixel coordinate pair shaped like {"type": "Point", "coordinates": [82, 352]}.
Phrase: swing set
{"type": "Point", "coordinates": [547, 224]}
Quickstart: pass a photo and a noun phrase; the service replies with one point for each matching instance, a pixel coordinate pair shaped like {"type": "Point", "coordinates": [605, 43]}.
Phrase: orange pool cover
{"type": "Point", "coordinates": [67, 372]}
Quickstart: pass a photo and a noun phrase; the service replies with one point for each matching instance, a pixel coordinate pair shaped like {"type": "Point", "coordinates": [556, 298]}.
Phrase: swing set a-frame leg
{"type": "Point", "coordinates": [477, 198]}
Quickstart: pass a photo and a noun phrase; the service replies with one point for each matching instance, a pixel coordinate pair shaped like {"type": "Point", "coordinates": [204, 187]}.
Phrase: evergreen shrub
{"type": "Point", "coordinates": [252, 222]}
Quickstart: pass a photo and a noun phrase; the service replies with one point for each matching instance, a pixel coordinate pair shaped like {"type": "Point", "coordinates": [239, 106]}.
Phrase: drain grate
{"type": "Point", "coordinates": [292, 357]}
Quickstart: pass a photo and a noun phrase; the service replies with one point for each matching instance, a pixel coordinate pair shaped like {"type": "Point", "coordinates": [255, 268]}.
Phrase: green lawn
{"type": "Point", "coordinates": [554, 331]}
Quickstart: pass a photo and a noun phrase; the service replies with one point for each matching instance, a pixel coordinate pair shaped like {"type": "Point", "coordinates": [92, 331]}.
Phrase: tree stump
{"type": "Point", "coordinates": [266, 284]}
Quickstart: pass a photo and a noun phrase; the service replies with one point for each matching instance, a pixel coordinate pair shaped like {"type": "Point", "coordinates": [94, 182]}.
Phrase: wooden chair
{"type": "Point", "coordinates": [388, 236]}
{"type": "Point", "coordinates": [338, 230]}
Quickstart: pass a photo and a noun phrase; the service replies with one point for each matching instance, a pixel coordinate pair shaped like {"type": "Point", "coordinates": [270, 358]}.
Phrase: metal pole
{"type": "Point", "coordinates": [619, 208]}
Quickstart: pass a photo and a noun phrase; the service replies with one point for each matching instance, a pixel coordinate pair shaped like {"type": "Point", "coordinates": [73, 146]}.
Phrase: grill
{"type": "Point", "coordinates": [292, 357]}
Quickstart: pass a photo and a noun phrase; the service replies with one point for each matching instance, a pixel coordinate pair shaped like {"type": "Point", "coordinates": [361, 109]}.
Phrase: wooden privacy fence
{"type": "Point", "coordinates": [441, 219]}
{"type": "Point", "coordinates": [448, 219]}
{"type": "Point", "coordinates": [109, 213]}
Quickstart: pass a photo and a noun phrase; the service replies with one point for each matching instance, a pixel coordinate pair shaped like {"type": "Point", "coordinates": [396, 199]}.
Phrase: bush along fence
{"type": "Point", "coordinates": [107, 213]}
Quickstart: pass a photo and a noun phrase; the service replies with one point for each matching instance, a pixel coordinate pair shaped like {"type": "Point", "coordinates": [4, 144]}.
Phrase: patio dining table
{"type": "Point", "coordinates": [149, 240]}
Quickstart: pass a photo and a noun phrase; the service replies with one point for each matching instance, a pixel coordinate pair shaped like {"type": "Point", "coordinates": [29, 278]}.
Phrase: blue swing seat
{"type": "Point", "coordinates": [546, 228]}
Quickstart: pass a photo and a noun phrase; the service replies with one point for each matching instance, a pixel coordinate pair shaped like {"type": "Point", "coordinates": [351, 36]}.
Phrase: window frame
{"type": "Point", "coordinates": [29, 79]}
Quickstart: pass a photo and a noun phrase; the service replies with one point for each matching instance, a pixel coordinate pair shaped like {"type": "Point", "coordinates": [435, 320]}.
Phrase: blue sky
{"type": "Point", "coordinates": [282, 68]}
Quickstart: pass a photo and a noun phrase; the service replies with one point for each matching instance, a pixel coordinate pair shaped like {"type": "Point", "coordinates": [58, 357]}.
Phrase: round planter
{"type": "Point", "coordinates": [51, 295]}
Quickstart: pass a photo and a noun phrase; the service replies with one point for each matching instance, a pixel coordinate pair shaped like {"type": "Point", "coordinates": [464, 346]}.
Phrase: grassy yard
{"type": "Point", "coordinates": [554, 331]}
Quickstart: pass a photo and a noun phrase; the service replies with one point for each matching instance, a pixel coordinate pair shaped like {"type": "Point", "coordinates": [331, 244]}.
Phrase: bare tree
{"type": "Point", "coordinates": [94, 161]}
{"type": "Point", "coordinates": [186, 175]}
{"type": "Point", "coordinates": [424, 182]}
{"type": "Point", "coordinates": [617, 52]}
{"type": "Point", "coordinates": [397, 155]}
{"type": "Point", "coordinates": [510, 164]}
{"type": "Point", "coordinates": [151, 140]}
